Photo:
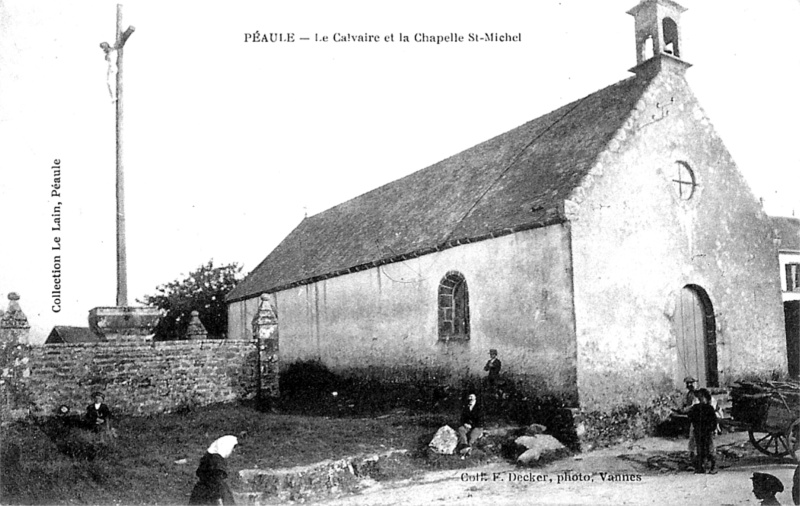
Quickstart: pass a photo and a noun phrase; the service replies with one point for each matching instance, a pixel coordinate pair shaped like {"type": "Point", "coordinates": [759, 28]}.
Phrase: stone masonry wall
{"type": "Point", "coordinates": [638, 241]}
{"type": "Point", "coordinates": [136, 378]}
{"type": "Point", "coordinates": [382, 323]}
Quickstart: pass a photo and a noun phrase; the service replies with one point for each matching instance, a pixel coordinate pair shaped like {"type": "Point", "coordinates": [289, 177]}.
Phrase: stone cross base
{"type": "Point", "coordinates": [125, 323]}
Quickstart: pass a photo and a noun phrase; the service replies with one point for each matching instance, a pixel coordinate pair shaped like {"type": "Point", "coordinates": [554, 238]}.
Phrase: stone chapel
{"type": "Point", "coordinates": [606, 249]}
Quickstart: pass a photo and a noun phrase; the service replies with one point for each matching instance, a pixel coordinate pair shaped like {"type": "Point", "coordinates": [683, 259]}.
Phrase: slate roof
{"type": "Point", "coordinates": [788, 231]}
{"type": "Point", "coordinates": [515, 181]}
{"type": "Point", "coordinates": [69, 335]}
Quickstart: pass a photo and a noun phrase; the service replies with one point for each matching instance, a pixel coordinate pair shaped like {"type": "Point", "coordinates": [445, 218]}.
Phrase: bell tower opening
{"type": "Point", "coordinates": [671, 41]}
{"type": "Point", "coordinates": [658, 31]}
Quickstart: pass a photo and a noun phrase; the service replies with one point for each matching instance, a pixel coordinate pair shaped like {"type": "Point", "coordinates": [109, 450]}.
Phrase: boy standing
{"type": "Point", "coordinates": [703, 419]}
{"type": "Point", "coordinates": [493, 368]}
{"type": "Point", "coordinates": [97, 414]}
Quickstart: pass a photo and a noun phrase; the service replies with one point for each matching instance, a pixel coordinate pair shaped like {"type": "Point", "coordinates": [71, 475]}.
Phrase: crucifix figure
{"type": "Point", "coordinates": [114, 58]}
{"type": "Point", "coordinates": [111, 76]}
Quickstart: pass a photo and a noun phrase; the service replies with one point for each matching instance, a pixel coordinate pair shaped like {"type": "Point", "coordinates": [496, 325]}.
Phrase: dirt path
{"type": "Point", "coordinates": [726, 487]}
{"type": "Point", "coordinates": [617, 475]}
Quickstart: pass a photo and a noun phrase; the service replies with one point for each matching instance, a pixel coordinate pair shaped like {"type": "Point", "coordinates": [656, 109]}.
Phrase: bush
{"type": "Point", "coordinates": [634, 421]}
{"type": "Point", "coordinates": [204, 291]}
{"type": "Point", "coordinates": [307, 377]}
{"type": "Point", "coordinates": [309, 386]}
{"type": "Point", "coordinates": [522, 407]}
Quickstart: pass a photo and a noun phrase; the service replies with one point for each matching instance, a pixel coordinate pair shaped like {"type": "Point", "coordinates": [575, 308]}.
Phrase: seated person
{"type": "Point", "coordinates": [98, 416]}
{"type": "Point", "coordinates": [470, 428]}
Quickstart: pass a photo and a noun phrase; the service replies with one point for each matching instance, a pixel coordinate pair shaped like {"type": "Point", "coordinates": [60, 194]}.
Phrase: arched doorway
{"type": "Point", "coordinates": [696, 337]}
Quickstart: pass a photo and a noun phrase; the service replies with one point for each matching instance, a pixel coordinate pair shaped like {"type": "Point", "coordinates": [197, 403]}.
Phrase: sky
{"type": "Point", "coordinates": [228, 144]}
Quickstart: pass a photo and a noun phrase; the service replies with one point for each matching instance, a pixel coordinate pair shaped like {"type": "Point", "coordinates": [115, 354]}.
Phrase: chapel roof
{"type": "Point", "coordinates": [788, 231]}
{"type": "Point", "coordinates": [515, 181]}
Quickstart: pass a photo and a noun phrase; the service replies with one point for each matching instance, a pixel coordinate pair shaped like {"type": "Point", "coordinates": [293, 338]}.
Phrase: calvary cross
{"type": "Point", "coordinates": [122, 276]}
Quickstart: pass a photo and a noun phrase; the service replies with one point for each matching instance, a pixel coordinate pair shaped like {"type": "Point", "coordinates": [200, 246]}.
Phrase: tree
{"type": "Point", "coordinates": [204, 291]}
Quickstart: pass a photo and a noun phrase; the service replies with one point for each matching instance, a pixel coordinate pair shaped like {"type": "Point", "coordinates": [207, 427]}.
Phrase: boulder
{"type": "Point", "coordinates": [444, 441]}
{"type": "Point", "coordinates": [535, 429]}
{"type": "Point", "coordinates": [537, 447]}
{"type": "Point", "coordinates": [526, 441]}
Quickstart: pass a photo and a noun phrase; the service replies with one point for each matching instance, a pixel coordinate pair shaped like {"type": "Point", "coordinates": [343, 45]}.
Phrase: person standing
{"type": "Point", "coordinates": [689, 400]}
{"type": "Point", "coordinates": [98, 416]}
{"type": "Point", "coordinates": [690, 397]}
{"type": "Point", "coordinates": [211, 487]}
{"type": "Point", "coordinates": [492, 366]}
{"type": "Point", "coordinates": [703, 420]}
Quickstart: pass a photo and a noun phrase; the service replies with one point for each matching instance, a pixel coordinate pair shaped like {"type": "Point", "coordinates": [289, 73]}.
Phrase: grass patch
{"type": "Point", "coordinates": [140, 466]}
{"type": "Point", "coordinates": [310, 424]}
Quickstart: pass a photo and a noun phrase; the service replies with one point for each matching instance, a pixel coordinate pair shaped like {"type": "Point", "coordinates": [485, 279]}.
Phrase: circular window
{"type": "Point", "coordinates": [683, 180]}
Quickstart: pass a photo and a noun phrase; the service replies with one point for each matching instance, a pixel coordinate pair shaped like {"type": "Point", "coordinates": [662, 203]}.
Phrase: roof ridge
{"type": "Point", "coordinates": [630, 116]}
{"type": "Point", "coordinates": [570, 105]}
{"type": "Point", "coordinates": [513, 160]}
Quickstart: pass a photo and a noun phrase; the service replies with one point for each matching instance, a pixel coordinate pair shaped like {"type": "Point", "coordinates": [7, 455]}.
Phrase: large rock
{"type": "Point", "coordinates": [444, 441]}
{"type": "Point", "coordinates": [535, 429]}
{"type": "Point", "coordinates": [537, 447]}
{"type": "Point", "coordinates": [526, 441]}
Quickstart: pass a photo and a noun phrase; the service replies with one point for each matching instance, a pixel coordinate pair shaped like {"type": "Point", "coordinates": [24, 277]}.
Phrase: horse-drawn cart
{"type": "Point", "coordinates": [770, 412]}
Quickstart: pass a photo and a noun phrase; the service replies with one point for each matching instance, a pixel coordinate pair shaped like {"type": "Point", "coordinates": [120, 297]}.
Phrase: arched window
{"type": "Point", "coordinates": [647, 49]}
{"type": "Point", "coordinates": [671, 37]}
{"type": "Point", "coordinates": [453, 307]}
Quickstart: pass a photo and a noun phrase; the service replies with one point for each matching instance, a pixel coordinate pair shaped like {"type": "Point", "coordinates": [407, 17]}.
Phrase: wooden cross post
{"type": "Point", "coordinates": [122, 275]}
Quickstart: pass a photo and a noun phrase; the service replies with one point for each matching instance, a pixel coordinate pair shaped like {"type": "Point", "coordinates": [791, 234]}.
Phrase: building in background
{"type": "Point", "coordinates": [62, 334]}
{"type": "Point", "coordinates": [788, 231]}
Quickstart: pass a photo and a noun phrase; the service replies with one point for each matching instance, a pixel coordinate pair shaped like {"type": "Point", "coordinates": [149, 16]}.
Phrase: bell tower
{"type": "Point", "coordinates": [658, 33]}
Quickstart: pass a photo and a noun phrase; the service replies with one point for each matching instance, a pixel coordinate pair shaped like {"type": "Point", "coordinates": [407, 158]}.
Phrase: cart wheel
{"type": "Point", "coordinates": [793, 439]}
{"type": "Point", "coordinates": [773, 444]}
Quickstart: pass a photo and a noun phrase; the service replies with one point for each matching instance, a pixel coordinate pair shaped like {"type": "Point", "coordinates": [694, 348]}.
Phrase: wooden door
{"type": "Point", "coordinates": [695, 333]}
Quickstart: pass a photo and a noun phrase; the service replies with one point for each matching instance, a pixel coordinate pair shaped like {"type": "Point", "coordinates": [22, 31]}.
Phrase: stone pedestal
{"type": "Point", "coordinates": [265, 331]}
{"type": "Point", "coordinates": [196, 329]}
{"type": "Point", "coordinates": [125, 323]}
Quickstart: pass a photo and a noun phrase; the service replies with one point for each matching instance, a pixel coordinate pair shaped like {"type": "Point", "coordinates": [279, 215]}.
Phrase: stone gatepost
{"type": "Point", "coordinates": [265, 332]}
{"type": "Point", "coordinates": [196, 329]}
{"type": "Point", "coordinates": [14, 326]}
{"type": "Point", "coordinates": [14, 330]}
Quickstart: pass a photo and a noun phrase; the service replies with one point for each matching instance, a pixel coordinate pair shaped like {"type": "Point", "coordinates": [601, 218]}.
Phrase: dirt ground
{"type": "Point", "coordinates": [648, 471]}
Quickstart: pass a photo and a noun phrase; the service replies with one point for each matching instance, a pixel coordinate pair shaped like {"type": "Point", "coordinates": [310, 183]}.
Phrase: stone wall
{"type": "Point", "coordinates": [136, 378]}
